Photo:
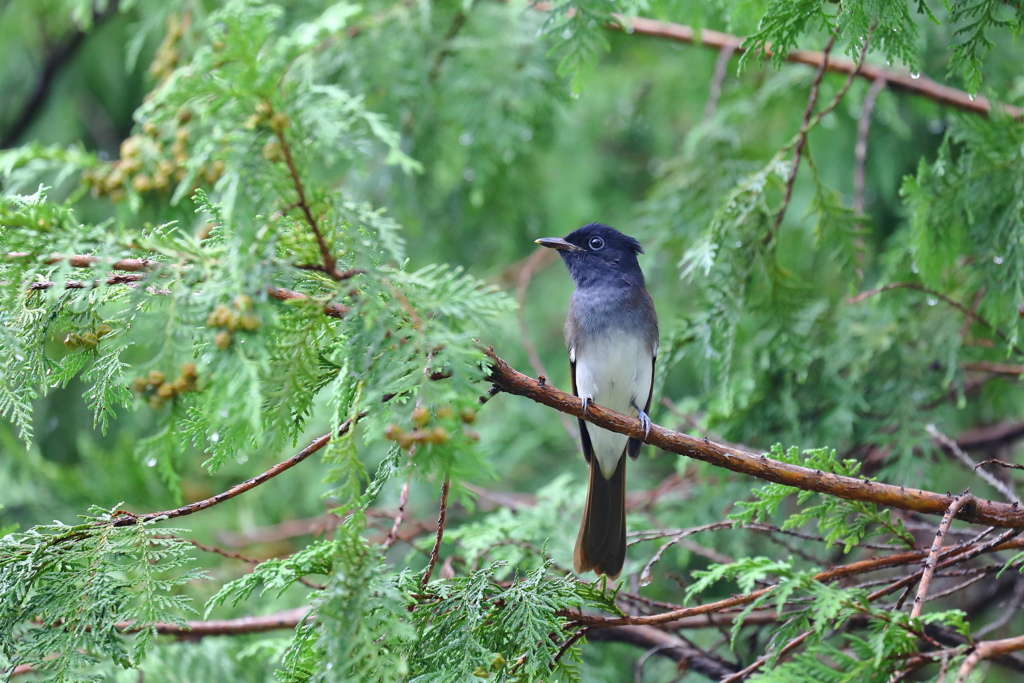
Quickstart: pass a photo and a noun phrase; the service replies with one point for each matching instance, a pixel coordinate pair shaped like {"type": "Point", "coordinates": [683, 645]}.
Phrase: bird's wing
{"type": "Point", "coordinates": [633, 447]}
{"type": "Point", "coordinates": [588, 447]}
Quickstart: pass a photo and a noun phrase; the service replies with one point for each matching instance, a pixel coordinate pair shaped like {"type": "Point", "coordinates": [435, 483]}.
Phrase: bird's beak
{"type": "Point", "coordinates": [557, 243]}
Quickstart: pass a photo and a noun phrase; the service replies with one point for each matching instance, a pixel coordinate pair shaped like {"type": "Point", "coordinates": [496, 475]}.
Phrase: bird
{"type": "Point", "coordinates": [611, 332]}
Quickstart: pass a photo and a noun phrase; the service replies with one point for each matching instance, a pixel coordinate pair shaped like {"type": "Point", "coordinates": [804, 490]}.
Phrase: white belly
{"type": "Point", "coordinates": [616, 372]}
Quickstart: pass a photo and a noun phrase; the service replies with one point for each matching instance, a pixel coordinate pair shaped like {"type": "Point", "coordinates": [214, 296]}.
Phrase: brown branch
{"type": "Point", "coordinates": [442, 516]}
{"type": "Point", "coordinates": [761, 466]}
{"type": "Point", "coordinates": [236, 556]}
{"type": "Point", "coordinates": [933, 554]}
{"type": "Point", "coordinates": [87, 260]}
{"type": "Point", "coordinates": [998, 368]}
{"type": "Point", "coordinates": [123, 279]}
{"type": "Point", "coordinates": [725, 53]}
{"type": "Point", "coordinates": [805, 127]}
{"type": "Point", "coordinates": [330, 264]}
{"type": "Point", "coordinates": [1001, 463]}
{"type": "Point", "coordinates": [668, 619]}
{"type": "Point", "coordinates": [402, 500]}
{"type": "Point", "coordinates": [867, 107]}
{"type": "Point", "coordinates": [238, 489]}
{"type": "Point", "coordinates": [687, 656]}
{"type": "Point", "coordinates": [333, 310]}
{"type": "Point", "coordinates": [897, 80]}
{"type": "Point", "coordinates": [786, 649]}
{"type": "Point", "coordinates": [940, 296]}
{"type": "Point", "coordinates": [986, 650]}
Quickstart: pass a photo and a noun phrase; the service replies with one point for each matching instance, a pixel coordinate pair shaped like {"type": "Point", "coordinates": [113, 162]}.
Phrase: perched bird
{"type": "Point", "coordinates": [612, 335]}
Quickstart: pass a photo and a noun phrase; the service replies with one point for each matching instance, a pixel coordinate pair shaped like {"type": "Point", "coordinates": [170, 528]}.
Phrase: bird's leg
{"type": "Point", "coordinates": [586, 398]}
{"type": "Point", "coordinates": [645, 421]}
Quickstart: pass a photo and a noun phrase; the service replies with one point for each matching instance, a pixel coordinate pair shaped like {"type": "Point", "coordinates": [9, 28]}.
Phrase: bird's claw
{"type": "Point", "coordinates": [645, 422]}
{"type": "Point", "coordinates": [586, 401]}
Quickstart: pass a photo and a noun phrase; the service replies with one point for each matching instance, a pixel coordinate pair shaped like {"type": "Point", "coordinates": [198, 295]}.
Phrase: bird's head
{"type": "Point", "coordinates": [596, 254]}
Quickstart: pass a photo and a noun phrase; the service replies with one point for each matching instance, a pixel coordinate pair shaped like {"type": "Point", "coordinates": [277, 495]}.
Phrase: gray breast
{"type": "Point", "coordinates": [595, 311]}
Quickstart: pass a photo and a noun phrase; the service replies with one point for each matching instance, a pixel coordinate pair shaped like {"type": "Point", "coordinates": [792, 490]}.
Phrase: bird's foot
{"type": "Point", "coordinates": [587, 398]}
{"type": "Point", "coordinates": [645, 421]}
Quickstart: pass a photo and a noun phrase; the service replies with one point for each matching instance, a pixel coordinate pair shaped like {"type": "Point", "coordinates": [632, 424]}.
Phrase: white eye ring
{"type": "Point", "coordinates": [596, 243]}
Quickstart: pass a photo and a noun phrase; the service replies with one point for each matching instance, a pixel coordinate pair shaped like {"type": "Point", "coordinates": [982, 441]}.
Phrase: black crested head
{"type": "Point", "coordinates": [597, 254]}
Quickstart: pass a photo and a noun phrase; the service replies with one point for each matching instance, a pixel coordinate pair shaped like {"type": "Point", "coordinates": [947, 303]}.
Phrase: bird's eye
{"type": "Point", "coordinates": [596, 243]}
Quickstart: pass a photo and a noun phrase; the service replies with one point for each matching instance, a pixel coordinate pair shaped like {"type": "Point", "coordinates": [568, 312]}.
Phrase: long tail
{"type": "Point", "coordinates": [601, 543]}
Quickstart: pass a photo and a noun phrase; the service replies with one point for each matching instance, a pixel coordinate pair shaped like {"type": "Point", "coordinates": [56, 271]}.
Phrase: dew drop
{"type": "Point", "coordinates": [469, 175]}
{"type": "Point", "coordinates": [913, 267]}
{"type": "Point", "coordinates": [526, 135]}
{"type": "Point", "coordinates": [215, 437]}
{"type": "Point", "coordinates": [566, 34]}
{"type": "Point", "coordinates": [629, 28]}
{"type": "Point", "coordinates": [932, 302]}
{"type": "Point", "coordinates": [972, 97]}
{"type": "Point", "coordinates": [151, 462]}
{"type": "Point", "coordinates": [915, 75]}
{"type": "Point", "coordinates": [574, 95]}
{"type": "Point", "coordinates": [998, 260]}
{"type": "Point", "coordinates": [466, 139]}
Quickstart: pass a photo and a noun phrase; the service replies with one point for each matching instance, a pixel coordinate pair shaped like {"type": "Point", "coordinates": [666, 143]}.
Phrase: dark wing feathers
{"type": "Point", "coordinates": [588, 448]}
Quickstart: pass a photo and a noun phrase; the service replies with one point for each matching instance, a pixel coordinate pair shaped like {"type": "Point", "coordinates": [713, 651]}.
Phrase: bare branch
{"type": "Point", "coordinates": [717, 79]}
{"type": "Point", "coordinates": [442, 516]}
{"type": "Point", "coordinates": [986, 650]}
{"type": "Point", "coordinates": [933, 554]}
{"type": "Point", "coordinates": [238, 489]}
{"type": "Point", "coordinates": [805, 126]}
{"type": "Point", "coordinates": [761, 466]}
{"type": "Point", "coordinates": [897, 80]}
{"type": "Point", "coordinates": [861, 156]}
{"type": "Point", "coordinates": [951, 446]}
{"type": "Point", "coordinates": [402, 500]}
{"type": "Point", "coordinates": [942, 297]}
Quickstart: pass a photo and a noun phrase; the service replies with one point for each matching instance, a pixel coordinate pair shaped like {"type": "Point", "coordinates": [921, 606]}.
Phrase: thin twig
{"type": "Point", "coordinates": [725, 53]}
{"type": "Point", "coordinates": [330, 264]}
{"type": "Point", "coordinates": [951, 446]}
{"type": "Point", "coordinates": [933, 554]}
{"type": "Point", "coordinates": [248, 560]}
{"type": "Point", "coordinates": [802, 140]}
{"type": "Point", "coordinates": [941, 297]}
{"type": "Point", "coordinates": [789, 647]}
{"type": "Point", "coordinates": [402, 500]}
{"type": "Point", "coordinates": [1001, 463]}
{"type": "Point", "coordinates": [317, 444]}
{"type": "Point", "coordinates": [441, 518]}
{"type": "Point", "coordinates": [998, 368]}
{"type": "Point", "coordinates": [861, 156]}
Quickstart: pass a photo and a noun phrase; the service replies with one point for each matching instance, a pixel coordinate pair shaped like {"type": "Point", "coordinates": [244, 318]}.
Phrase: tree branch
{"type": "Point", "coordinates": [805, 127]}
{"type": "Point", "coordinates": [897, 80]}
{"type": "Point", "coordinates": [933, 554]}
{"type": "Point", "coordinates": [318, 444]}
{"type": "Point", "coordinates": [668, 645]}
{"type": "Point", "coordinates": [761, 466]}
{"type": "Point", "coordinates": [442, 516]}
